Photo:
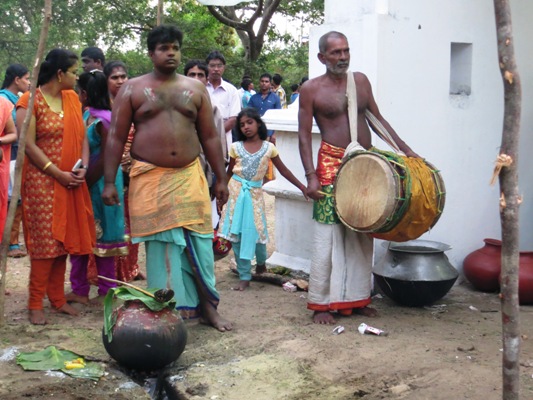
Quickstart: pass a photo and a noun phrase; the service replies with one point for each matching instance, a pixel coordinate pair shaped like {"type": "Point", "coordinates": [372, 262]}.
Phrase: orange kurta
{"type": "Point", "coordinates": [56, 220]}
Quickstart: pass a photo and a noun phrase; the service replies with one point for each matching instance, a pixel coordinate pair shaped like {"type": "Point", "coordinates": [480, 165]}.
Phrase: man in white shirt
{"type": "Point", "coordinates": [223, 94]}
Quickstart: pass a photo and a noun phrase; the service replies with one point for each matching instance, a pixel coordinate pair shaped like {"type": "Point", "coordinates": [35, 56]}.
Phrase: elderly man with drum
{"type": "Point", "coordinates": [341, 265]}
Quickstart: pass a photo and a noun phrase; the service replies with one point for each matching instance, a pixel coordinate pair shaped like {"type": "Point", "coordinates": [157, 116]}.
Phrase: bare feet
{"type": "Point", "coordinates": [323, 318]}
{"type": "Point", "coordinates": [260, 269]}
{"type": "Point", "coordinates": [16, 253]}
{"type": "Point", "coordinates": [242, 285]}
{"type": "Point", "coordinates": [37, 317]}
{"type": "Point", "coordinates": [213, 318]}
{"type": "Point", "coordinates": [139, 277]}
{"type": "Point", "coordinates": [97, 301]}
{"type": "Point", "coordinates": [366, 312]}
{"type": "Point", "coordinates": [74, 298]}
{"type": "Point", "coordinates": [67, 309]}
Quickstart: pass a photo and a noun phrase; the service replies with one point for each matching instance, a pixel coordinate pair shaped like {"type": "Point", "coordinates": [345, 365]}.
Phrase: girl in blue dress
{"type": "Point", "coordinates": [243, 218]}
{"type": "Point", "coordinates": [109, 220]}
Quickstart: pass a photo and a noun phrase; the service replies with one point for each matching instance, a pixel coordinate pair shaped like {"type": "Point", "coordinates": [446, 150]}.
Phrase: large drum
{"type": "Point", "coordinates": [392, 197]}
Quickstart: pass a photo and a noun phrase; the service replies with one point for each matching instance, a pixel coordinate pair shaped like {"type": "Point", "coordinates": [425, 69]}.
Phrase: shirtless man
{"type": "Point", "coordinates": [169, 197]}
{"type": "Point", "coordinates": [341, 263]}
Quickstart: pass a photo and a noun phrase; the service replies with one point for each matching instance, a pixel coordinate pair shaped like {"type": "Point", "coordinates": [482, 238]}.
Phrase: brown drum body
{"type": "Point", "coordinates": [378, 193]}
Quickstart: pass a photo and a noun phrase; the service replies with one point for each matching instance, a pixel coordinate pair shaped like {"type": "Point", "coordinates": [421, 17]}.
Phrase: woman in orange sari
{"type": "Point", "coordinates": [57, 213]}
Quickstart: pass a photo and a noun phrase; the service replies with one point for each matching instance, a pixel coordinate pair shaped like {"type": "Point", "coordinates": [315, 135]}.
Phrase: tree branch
{"type": "Point", "coordinates": [20, 156]}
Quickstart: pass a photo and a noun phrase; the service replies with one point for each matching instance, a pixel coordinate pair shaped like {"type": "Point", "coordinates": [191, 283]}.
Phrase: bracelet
{"type": "Point", "coordinates": [310, 172]}
{"type": "Point", "coordinates": [47, 165]}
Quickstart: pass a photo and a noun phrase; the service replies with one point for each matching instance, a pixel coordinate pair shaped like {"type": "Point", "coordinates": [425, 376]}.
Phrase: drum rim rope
{"type": "Point", "coordinates": [403, 183]}
{"type": "Point", "coordinates": [393, 158]}
{"type": "Point", "coordinates": [393, 219]}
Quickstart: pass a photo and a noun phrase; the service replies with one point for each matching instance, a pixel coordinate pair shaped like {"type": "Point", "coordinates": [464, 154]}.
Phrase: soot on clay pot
{"type": "Point", "coordinates": [146, 340]}
{"type": "Point", "coordinates": [415, 273]}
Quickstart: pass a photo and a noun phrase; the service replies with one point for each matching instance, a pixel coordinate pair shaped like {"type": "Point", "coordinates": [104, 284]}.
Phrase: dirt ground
{"type": "Point", "coordinates": [451, 350]}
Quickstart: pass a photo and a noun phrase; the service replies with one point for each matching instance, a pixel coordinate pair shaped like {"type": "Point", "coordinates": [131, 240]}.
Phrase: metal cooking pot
{"type": "Point", "coordinates": [415, 273]}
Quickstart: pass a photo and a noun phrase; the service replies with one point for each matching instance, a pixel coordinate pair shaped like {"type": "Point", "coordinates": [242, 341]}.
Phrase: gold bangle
{"type": "Point", "coordinates": [47, 165]}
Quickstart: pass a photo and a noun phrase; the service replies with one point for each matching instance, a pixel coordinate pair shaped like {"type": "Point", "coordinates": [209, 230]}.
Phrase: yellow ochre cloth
{"type": "Point", "coordinates": [423, 208]}
{"type": "Point", "coordinates": [161, 199]}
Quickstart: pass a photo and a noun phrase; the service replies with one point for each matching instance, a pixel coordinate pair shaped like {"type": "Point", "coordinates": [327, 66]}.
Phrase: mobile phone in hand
{"type": "Point", "coordinates": [78, 164]}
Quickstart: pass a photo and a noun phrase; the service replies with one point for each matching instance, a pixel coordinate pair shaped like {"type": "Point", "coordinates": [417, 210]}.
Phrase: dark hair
{"type": "Point", "coordinates": [12, 72]}
{"type": "Point", "coordinates": [251, 112]}
{"type": "Point", "coordinates": [323, 41]}
{"type": "Point", "coordinates": [56, 59]}
{"type": "Point", "coordinates": [294, 87]}
{"type": "Point", "coordinates": [94, 53]}
{"type": "Point", "coordinates": [94, 83]}
{"type": "Point", "coordinates": [266, 75]}
{"type": "Point", "coordinates": [304, 79]}
{"type": "Point", "coordinates": [111, 65]}
{"type": "Point", "coordinates": [163, 34]}
{"type": "Point", "coordinates": [277, 79]}
{"type": "Point", "coordinates": [215, 55]}
{"type": "Point", "coordinates": [195, 63]}
{"type": "Point", "coordinates": [245, 84]}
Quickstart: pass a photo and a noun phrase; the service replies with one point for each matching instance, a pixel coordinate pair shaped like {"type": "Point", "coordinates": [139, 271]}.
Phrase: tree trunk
{"type": "Point", "coordinates": [20, 157]}
{"type": "Point", "coordinates": [159, 12]}
{"type": "Point", "coordinates": [509, 202]}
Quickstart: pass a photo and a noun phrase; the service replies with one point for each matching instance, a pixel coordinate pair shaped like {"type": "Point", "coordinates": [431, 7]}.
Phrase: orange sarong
{"type": "Point", "coordinates": [165, 198]}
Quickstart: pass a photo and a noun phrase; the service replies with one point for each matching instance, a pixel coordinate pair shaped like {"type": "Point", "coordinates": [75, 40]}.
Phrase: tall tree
{"type": "Point", "coordinates": [252, 21]}
{"type": "Point", "coordinates": [507, 167]}
{"type": "Point", "coordinates": [77, 23]}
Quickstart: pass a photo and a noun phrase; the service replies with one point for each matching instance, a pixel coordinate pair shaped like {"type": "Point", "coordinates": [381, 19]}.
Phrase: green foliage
{"type": "Point", "coordinates": [120, 27]}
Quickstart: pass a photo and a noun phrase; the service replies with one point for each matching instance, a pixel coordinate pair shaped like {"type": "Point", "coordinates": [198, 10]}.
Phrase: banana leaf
{"type": "Point", "coordinates": [52, 359]}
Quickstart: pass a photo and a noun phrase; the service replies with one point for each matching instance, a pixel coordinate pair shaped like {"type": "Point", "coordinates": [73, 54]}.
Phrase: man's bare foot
{"type": "Point", "coordinates": [37, 317]}
{"type": "Point", "coordinates": [260, 269]}
{"type": "Point", "coordinates": [242, 285]}
{"type": "Point", "coordinates": [67, 309]}
{"type": "Point", "coordinates": [97, 301]}
{"type": "Point", "coordinates": [75, 298]}
{"type": "Point", "coordinates": [212, 317]}
{"type": "Point", "coordinates": [366, 312]}
{"type": "Point", "coordinates": [323, 318]}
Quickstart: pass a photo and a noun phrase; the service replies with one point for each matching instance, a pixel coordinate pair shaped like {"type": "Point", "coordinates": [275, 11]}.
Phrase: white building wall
{"type": "Point", "coordinates": [404, 47]}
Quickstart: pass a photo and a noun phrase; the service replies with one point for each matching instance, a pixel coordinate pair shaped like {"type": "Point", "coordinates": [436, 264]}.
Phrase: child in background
{"type": "Point", "coordinates": [109, 220]}
{"type": "Point", "coordinates": [243, 217]}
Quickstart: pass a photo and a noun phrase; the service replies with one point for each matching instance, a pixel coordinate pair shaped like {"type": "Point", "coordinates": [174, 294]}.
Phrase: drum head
{"type": "Point", "coordinates": [365, 190]}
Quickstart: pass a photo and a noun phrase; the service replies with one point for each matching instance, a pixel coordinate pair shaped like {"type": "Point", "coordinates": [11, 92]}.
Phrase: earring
{"type": "Point", "coordinates": [59, 79]}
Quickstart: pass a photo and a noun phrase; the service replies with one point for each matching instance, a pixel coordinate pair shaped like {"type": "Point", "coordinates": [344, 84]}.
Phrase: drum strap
{"type": "Point", "coordinates": [382, 132]}
{"type": "Point", "coordinates": [351, 94]}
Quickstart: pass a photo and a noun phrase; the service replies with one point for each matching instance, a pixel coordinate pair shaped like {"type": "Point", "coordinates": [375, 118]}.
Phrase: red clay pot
{"type": "Point", "coordinates": [525, 278]}
{"type": "Point", "coordinates": [482, 267]}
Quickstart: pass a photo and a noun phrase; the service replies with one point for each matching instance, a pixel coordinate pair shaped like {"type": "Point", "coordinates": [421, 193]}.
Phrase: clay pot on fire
{"type": "Point", "coordinates": [146, 340]}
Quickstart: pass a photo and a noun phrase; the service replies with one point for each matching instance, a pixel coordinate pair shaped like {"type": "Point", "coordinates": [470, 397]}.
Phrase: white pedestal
{"type": "Point", "coordinates": [293, 216]}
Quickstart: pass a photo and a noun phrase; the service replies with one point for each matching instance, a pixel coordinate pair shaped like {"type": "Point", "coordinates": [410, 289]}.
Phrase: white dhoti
{"type": "Point", "coordinates": [341, 269]}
